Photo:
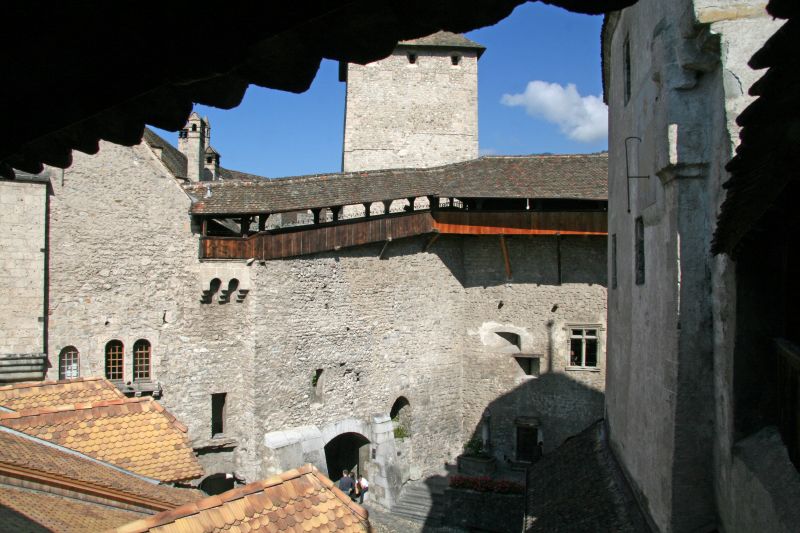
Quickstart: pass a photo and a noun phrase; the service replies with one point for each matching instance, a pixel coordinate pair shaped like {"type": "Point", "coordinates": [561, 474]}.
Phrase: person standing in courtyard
{"type": "Point", "coordinates": [346, 483]}
{"type": "Point", "coordinates": [362, 485]}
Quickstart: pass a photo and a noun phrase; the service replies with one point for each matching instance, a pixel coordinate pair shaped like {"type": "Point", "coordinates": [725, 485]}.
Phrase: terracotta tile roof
{"type": "Point", "coordinates": [582, 177]}
{"type": "Point", "coordinates": [298, 500]}
{"type": "Point", "coordinates": [133, 433]}
{"type": "Point", "coordinates": [21, 456]}
{"type": "Point", "coordinates": [35, 394]}
{"type": "Point", "coordinates": [27, 511]}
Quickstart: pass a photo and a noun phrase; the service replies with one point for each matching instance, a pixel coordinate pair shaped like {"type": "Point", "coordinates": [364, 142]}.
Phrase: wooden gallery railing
{"type": "Point", "coordinates": [789, 396]}
{"type": "Point", "coordinates": [302, 240]}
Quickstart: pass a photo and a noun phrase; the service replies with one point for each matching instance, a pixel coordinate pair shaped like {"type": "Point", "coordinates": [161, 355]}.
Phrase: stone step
{"type": "Point", "coordinates": [419, 503]}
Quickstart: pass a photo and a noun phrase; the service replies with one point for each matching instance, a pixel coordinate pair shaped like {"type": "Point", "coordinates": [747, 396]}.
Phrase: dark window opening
{"type": "Point", "coordinates": [626, 65]}
{"type": "Point", "coordinates": [194, 127]}
{"type": "Point", "coordinates": [455, 60]}
{"type": "Point", "coordinates": [511, 341]}
{"type": "Point", "coordinates": [68, 363]}
{"type": "Point", "coordinates": [639, 250]}
{"type": "Point", "coordinates": [209, 159]}
{"type": "Point", "coordinates": [412, 58]}
{"type": "Point", "coordinates": [218, 413]}
{"type": "Point", "coordinates": [115, 356]}
{"type": "Point", "coordinates": [528, 449]}
{"type": "Point", "coordinates": [528, 364]}
{"type": "Point", "coordinates": [141, 360]}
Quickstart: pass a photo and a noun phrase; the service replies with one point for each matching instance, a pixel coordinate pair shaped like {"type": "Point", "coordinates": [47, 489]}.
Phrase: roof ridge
{"type": "Point", "coordinates": [77, 406]}
{"type": "Point", "coordinates": [46, 383]}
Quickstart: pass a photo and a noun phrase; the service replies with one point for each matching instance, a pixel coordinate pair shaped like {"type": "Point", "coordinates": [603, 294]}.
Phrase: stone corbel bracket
{"type": "Point", "coordinates": [224, 283]}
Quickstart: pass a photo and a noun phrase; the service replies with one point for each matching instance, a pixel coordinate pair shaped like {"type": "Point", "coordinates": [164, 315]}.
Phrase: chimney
{"type": "Point", "coordinates": [210, 165]}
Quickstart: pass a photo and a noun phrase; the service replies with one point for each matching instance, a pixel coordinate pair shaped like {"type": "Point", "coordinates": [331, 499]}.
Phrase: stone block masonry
{"type": "Point", "coordinates": [23, 209]}
{"type": "Point", "coordinates": [324, 341]}
{"type": "Point", "coordinates": [405, 115]}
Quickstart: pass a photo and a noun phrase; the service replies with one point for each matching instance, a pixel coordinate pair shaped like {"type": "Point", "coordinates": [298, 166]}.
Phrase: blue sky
{"type": "Point", "coordinates": [525, 101]}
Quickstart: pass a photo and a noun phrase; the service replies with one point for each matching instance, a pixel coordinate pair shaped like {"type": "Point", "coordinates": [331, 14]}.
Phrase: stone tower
{"type": "Point", "coordinates": [416, 108]}
{"type": "Point", "coordinates": [192, 142]}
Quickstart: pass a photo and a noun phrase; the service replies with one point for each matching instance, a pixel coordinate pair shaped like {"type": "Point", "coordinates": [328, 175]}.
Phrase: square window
{"type": "Point", "coordinates": [583, 348]}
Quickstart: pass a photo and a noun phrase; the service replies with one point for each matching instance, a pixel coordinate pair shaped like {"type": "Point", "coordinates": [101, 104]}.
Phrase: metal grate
{"type": "Point", "coordinates": [115, 356]}
{"type": "Point", "coordinates": [141, 360]}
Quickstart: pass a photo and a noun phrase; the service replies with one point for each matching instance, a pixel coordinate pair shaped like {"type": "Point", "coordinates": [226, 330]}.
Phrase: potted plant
{"type": "Point", "coordinates": [476, 459]}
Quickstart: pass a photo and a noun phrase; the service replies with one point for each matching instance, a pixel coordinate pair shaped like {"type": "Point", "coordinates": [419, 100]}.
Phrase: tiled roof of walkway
{"type": "Point", "coordinates": [583, 177]}
{"type": "Point", "coordinates": [298, 500]}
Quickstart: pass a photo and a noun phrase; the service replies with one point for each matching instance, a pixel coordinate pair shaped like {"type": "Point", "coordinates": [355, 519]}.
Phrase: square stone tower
{"type": "Point", "coordinates": [416, 108]}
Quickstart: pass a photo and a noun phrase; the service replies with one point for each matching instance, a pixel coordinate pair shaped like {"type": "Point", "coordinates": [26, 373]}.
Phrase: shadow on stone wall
{"type": "Point", "coordinates": [558, 406]}
{"type": "Point", "coordinates": [477, 261]}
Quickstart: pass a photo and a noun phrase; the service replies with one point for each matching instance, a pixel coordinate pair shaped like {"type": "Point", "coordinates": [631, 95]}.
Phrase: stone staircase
{"type": "Point", "coordinates": [422, 501]}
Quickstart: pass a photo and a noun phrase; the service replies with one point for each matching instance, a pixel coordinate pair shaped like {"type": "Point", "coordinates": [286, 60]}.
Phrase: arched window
{"type": "Point", "coordinates": [68, 363]}
{"type": "Point", "coordinates": [115, 357]}
{"type": "Point", "coordinates": [141, 360]}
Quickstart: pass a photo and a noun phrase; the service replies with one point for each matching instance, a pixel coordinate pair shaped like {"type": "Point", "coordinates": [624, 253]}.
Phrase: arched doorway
{"type": "Point", "coordinates": [348, 451]}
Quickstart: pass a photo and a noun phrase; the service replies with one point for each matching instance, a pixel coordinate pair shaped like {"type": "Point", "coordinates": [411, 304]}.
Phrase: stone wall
{"type": "Point", "coordinates": [23, 212]}
{"type": "Point", "coordinates": [669, 394]}
{"type": "Point", "coordinates": [124, 266]}
{"type": "Point", "coordinates": [403, 115]}
{"type": "Point", "coordinates": [307, 347]}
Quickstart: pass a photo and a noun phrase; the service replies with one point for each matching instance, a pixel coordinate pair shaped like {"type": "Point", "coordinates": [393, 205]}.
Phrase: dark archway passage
{"type": "Point", "coordinates": [348, 451]}
{"type": "Point", "coordinates": [217, 484]}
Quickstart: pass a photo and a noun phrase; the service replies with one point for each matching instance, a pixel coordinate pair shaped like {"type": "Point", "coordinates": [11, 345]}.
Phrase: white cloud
{"type": "Point", "coordinates": [581, 118]}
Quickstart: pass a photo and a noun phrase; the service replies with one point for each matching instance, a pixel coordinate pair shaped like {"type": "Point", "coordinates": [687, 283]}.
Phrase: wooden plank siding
{"type": "Point", "coordinates": [522, 223]}
{"type": "Point", "coordinates": [304, 240]}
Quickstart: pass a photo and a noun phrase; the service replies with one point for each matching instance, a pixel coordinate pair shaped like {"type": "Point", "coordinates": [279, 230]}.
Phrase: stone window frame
{"type": "Point", "coordinates": [115, 371]}
{"type": "Point", "coordinates": [69, 363]}
{"type": "Point", "coordinates": [142, 360]}
{"type": "Point", "coordinates": [600, 336]}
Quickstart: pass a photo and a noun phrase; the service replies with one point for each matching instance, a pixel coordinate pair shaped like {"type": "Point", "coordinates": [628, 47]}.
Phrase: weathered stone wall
{"type": "Point", "coordinates": [669, 393]}
{"type": "Point", "coordinates": [535, 306]}
{"type": "Point", "coordinates": [23, 211]}
{"type": "Point", "coordinates": [403, 115]}
{"type": "Point", "coordinates": [123, 266]}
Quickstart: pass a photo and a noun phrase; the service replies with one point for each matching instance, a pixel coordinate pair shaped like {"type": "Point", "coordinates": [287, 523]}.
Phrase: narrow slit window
{"type": "Point", "coordinates": [218, 413]}
{"type": "Point", "coordinates": [626, 65]}
{"type": "Point", "coordinates": [614, 261]}
{"type": "Point", "coordinates": [68, 363]}
{"type": "Point", "coordinates": [115, 357]}
{"type": "Point", "coordinates": [639, 249]}
{"type": "Point", "coordinates": [141, 360]}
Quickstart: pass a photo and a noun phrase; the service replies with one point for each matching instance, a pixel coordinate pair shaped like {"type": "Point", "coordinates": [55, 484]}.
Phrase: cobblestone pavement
{"type": "Point", "coordinates": [385, 522]}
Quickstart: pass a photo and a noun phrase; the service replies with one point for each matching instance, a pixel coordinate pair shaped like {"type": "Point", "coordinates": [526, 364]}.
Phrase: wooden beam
{"type": "Point", "coordinates": [383, 250]}
{"type": "Point", "coordinates": [262, 221]}
{"type": "Point", "coordinates": [431, 241]}
{"type": "Point", "coordinates": [506, 259]}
